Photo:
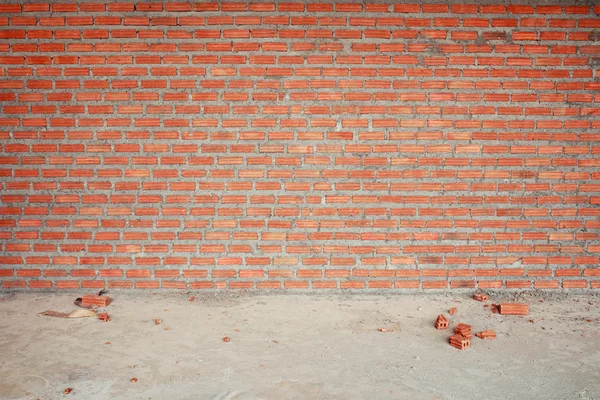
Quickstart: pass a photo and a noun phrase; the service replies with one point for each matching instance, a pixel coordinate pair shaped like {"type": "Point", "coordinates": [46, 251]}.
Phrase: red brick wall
{"type": "Point", "coordinates": [287, 145]}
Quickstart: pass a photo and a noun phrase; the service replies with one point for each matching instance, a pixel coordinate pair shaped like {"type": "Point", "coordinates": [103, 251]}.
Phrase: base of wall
{"type": "Point", "coordinates": [423, 279]}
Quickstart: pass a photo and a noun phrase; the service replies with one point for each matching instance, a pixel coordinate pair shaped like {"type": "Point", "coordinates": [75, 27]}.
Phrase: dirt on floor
{"type": "Point", "coordinates": [282, 346]}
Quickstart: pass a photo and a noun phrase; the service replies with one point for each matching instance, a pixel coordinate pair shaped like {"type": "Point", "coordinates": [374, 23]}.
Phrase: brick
{"type": "Point", "coordinates": [487, 334]}
{"type": "Point", "coordinates": [480, 296]}
{"type": "Point", "coordinates": [463, 330]}
{"type": "Point", "coordinates": [460, 342]}
{"type": "Point", "coordinates": [513, 309]}
{"type": "Point", "coordinates": [280, 151]}
{"type": "Point", "coordinates": [95, 300]}
{"type": "Point", "coordinates": [441, 322]}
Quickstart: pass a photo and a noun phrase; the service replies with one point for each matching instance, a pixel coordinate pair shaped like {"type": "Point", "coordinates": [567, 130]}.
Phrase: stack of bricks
{"type": "Point", "coordinates": [319, 145]}
{"type": "Point", "coordinates": [463, 330]}
{"type": "Point", "coordinates": [460, 342]}
{"type": "Point", "coordinates": [462, 337]}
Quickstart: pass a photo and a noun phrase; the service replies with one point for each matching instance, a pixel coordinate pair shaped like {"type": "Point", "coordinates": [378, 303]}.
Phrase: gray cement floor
{"type": "Point", "coordinates": [297, 347]}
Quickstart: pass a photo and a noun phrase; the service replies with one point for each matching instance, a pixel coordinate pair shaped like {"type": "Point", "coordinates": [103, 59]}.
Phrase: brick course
{"type": "Point", "coordinates": [233, 145]}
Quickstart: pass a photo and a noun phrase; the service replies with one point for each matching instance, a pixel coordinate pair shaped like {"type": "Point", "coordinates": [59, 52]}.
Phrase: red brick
{"type": "Point", "coordinates": [463, 330]}
{"type": "Point", "coordinates": [487, 334]}
{"type": "Point", "coordinates": [480, 296]}
{"type": "Point", "coordinates": [99, 301]}
{"type": "Point", "coordinates": [441, 322]}
{"type": "Point", "coordinates": [93, 284]}
{"type": "Point", "coordinates": [460, 342]}
{"type": "Point", "coordinates": [268, 285]}
{"type": "Point", "coordinates": [373, 284]}
{"type": "Point", "coordinates": [241, 285]}
{"type": "Point", "coordinates": [513, 309]}
{"type": "Point", "coordinates": [575, 284]}
{"type": "Point", "coordinates": [435, 285]}
{"type": "Point", "coordinates": [361, 164]}
{"type": "Point", "coordinates": [406, 284]}
{"type": "Point", "coordinates": [202, 285]}
{"type": "Point", "coordinates": [40, 284]}
{"type": "Point", "coordinates": [173, 285]}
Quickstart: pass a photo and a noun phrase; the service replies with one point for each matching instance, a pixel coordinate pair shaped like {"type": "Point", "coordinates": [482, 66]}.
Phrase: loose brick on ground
{"type": "Point", "coordinates": [513, 309]}
{"type": "Point", "coordinates": [441, 322]}
{"type": "Point", "coordinates": [487, 334]}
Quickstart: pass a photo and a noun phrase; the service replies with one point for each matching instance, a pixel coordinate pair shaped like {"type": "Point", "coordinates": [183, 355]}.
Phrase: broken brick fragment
{"type": "Point", "coordinates": [513, 309]}
{"type": "Point", "coordinates": [460, 342]}
{"type": "Point", "coordinates": [487, 334]}
{"type": "Point", "coordinates": [441, 322]}
{"type": "Point", "coordinates": [95, 300]}
{"type": "Point", "coordinates": [452, 311]}
{"type": "Point", "coordinates": [104, 317]}
{"type": "Point", "coordinates": [463, 329]}
{"type": "Point", "coordinates": [480, 297]}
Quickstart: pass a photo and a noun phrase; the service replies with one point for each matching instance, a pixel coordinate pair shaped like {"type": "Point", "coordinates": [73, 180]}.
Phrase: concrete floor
{"type": "Point", "coordinates": [298, 347]}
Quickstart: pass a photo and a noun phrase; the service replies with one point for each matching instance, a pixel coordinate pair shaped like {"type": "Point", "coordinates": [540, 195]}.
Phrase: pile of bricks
{"type": "Point", "coordinates": [462, 337]}
{"type": "Point", "coordinates": [462, 332]}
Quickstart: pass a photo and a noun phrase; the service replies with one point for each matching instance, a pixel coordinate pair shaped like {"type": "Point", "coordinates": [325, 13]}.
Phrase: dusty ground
{"type": "Point", "coordinates": [297, 347]}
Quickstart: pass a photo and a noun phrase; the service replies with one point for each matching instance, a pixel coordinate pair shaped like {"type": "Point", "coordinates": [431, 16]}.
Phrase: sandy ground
{"type": "Point", "coordinates": [297, 347]}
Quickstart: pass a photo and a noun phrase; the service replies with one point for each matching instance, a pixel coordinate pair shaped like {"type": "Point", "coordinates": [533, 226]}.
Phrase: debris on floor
{"type": "Point", "coordinates": [513, 309]}
{"type": "Point", "coordinates": [192, 298]}
{"type": "Point", "coordinates": [133, 380]}
{"type": "Point", "coordinates": [487, 334]}
{"type": "Point", "coordinates": [226, 339]}
{"type": "Point", "coordinates": [460, 342]}
{"type": "Point", "coordinates": [157, 321]}
{"type": "Point", "coordinates": [461, 338]}
{"type": "Point", "coordinates": [104, 317]}
{"type": "Point", "coordinates": [441, 322]}
{"type": "Point", "coordinates": [480, 297]}
{"type": "Point", "coordinates": [463, 329]}
{"type": "Point", "coordinates": [72, 314]}
{"type": "Point", "coordinates": [67, 390]}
